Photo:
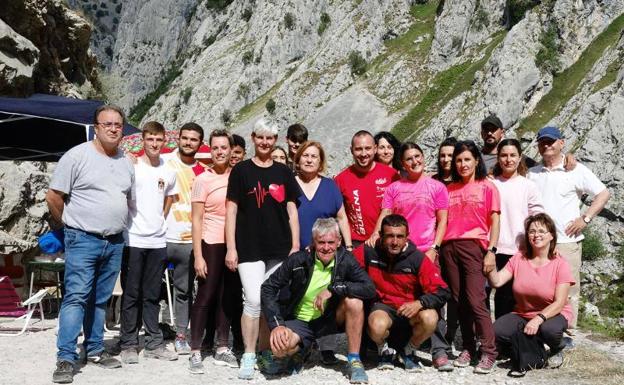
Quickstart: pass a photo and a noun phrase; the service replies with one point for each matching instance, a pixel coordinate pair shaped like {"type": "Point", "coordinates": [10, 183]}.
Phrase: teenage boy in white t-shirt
{"type": "Point", "coordinates": [144, 259]}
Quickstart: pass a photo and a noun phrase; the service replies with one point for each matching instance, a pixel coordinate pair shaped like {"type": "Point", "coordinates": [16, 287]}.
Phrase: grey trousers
{"type": "Point", "coordinates": [181, 255]}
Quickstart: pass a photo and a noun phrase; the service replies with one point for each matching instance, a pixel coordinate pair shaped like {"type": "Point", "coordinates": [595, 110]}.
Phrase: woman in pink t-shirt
{"type": "Point", "coordinates": [541, 282]}
{"type": "Point", "coordinates": [520, 198]}
{"type": "Point", "coordinates": [214, 293]}
{"type": "Point", "coordinates": [468, 251]}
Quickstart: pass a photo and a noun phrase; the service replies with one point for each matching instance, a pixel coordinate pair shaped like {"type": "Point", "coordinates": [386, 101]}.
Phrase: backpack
{"type": "Point", "coordinates": [527, 352]}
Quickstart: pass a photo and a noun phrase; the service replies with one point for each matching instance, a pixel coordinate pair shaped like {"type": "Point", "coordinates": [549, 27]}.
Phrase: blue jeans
{"type": "Point", "coordinates": [92, 264]}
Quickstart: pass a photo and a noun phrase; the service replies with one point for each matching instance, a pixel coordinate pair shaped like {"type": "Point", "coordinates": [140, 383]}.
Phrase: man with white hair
{"type": "Point", "coordinates": [314, 293]}
{"type": "Point", "coordinates": [261, 230]}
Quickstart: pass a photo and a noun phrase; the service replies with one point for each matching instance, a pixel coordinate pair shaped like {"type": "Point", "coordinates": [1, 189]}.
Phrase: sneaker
{"type": "Point", "coordinates": [181, 345]}
{"type": "Point", "coordinates": [295, 363]}
{"type": "Point", "coordinates": [129, 356]}
{"type": "Point", "coordinates": [463, 359]}
{"type": "Point", "coordinates": [411, 363]}
{"type": "Point", "coordinates": [64, 372]}
{"type": "Point", "coordinates": [105, 360]}
{"type": "Point", "coordinates": [556, 360]}
{"type": "Point", "coordinates": [267, 364]}
{"type": "Point", "coordinates": [247, 366]}
{"type": "Point", "coordinates": [386, 360]}
{"type": "Point", "coordinates": [160, 353]}
{"type": "Point", "coordinates": [195, 363]}
{"type": "Point", "coordinates": [516, 373]}
{"type": "Point", "coordinates": [442, 364]}
{"type": "Point", "coordinates": [226, 358]}
{"type": "Point", "coordinates": [485, 365]}
{"type": "Point", "coordinates": [328, 357]}
{"type": "Point", "coordinates": [357, 374]}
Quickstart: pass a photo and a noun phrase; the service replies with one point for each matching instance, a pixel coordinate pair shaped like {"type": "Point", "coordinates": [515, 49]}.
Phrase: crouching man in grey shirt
{"type": "Point", "coordinates": [88, 192]}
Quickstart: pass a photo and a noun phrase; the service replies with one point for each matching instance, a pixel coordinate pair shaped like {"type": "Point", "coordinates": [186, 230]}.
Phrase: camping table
{"type": "Point", "coordinates": [57, 267]}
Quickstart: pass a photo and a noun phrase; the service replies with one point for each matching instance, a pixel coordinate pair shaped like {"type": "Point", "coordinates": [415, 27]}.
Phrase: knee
{"type": "Point", "coordinates": [427, 318]}
{"type": "Point", "coordinates": [377, 324]}
{"type": "Point", "coordinates": [354, 305]}
{"type": "Point", "coordinates": [251, 307]}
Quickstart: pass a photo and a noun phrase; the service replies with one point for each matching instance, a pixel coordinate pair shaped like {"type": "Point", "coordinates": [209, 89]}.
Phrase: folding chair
{"type": "Point", "coordinates": [11, 306]}
{"type": "Point", "coordinates": [168, 269]}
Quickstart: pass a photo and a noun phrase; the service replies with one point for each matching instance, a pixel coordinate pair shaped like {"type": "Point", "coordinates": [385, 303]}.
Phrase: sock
{"type": "Point", "coordinates": [353, 357]}
{"type": "Point", "coordinates": [410, 349]}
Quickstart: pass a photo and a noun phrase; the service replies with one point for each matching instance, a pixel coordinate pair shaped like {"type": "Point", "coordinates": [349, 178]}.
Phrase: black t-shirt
{"type": "Point", "coordinates": [261, 193]}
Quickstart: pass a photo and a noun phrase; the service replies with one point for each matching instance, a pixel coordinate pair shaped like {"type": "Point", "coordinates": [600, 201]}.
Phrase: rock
{"type": "Point", "coordinates": [591, 310]}
{"type": "Point", "coordinates": [18, 56]}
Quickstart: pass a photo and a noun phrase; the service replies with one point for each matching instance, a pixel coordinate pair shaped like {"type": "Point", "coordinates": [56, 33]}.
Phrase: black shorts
{"type": "Point", "coordinates": [401, 330]}
{"type": "Point", "coordinates": [308, 332]}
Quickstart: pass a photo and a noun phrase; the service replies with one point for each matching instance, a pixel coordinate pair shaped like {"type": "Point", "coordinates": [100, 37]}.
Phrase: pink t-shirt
{"type": "Point", "coordinates": [210, 189]}
{"type": "Point", "coordinates": [417, 202]}
{"type": "Point", "coordinates": [534, 287]}
{"type": "Point", "coordinates": [470, 207]}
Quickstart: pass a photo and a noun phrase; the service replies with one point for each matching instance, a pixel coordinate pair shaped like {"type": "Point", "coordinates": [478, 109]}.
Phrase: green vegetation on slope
{"type": "Point", "coordinates": [142, 107]}
{"type": "Point", "coordinates": [445, 86]}
{"type": "Point", "coordinates": [610, 75]}
{"type": "Point", "coordinates": [566, 83]}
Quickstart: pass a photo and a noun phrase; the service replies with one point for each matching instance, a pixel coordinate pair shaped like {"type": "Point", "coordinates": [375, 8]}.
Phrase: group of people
{"type": "Point", "coordinates": [286, 258]}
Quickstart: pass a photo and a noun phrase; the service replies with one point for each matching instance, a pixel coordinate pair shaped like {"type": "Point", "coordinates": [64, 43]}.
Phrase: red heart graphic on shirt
{"type": "Point", "coordinates": [278, 192]}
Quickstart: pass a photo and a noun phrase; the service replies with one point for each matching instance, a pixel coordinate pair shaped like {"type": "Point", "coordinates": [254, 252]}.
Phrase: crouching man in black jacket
{"type": "Point", "coordinates": [315, 293]}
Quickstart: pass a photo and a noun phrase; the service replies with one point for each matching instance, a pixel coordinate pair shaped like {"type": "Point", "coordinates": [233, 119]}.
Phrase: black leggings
{"type": "Point", "coordinates": [551, 331]}
{"type": "Point", "coordinates": [210, 298]}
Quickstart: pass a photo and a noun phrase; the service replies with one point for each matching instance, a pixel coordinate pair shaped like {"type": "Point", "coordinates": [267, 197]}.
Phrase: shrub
{"type": "Point", "coordinates": [325, 21]}
{"type": "Point", "coordinates": [619, 255]}
{"type": "Point", "coordinates": [516, 9]}
{"type": "Point", "coordinates": [246, 15]}
{"type": "Point", "coordinates": [118, 8]}
{"type": "Point", "coordinates": [270, 106]}
{"type": "Point", "coordinates": [247, 57]}
{"type": "Point", "coordinates": [357, 63]}
{"type": "Point", "coordinates": [593, 248]}
{"type": "Point", "coordinates": [481, 19]}
{"type": "Point", "coordinates": [226, 117]}
{"type": "Point", "coordinates": [243, 91]}
{"type": "Point", "coordinates": [101, 13]}
{"type": "Point", "coordinates": [186, 94]}
{"type": "Point", "coordinates": [217, 4]}
{"type": "Point", "coordinates": [289, 20]}
{"type": "Point", "coordinates": [547, 58]}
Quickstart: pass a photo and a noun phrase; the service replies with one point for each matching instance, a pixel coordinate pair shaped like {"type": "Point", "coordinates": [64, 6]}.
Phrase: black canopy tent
{"type": "Point", "coordinates": [43, 127]}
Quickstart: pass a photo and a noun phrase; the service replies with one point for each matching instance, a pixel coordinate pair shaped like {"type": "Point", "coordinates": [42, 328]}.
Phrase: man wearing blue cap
{"type": "Point", "coordinates": [561, 192]}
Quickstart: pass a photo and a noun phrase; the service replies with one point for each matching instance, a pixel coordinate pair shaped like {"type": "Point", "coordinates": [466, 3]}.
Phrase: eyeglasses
{"type": "Point", "coordinates": [109, 125]}
{"type": "Point", "coordinates": [540, 232]}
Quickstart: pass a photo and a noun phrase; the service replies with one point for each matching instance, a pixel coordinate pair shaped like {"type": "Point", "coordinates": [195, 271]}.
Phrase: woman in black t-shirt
{"type": "Point", "coordinates": [261, 229]}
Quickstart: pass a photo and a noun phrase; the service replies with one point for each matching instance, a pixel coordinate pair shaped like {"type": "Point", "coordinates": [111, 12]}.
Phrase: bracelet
{"type": "Point", "coordinates": [543, 317]}
{"type": "Point", "coordinates": [349, 247]}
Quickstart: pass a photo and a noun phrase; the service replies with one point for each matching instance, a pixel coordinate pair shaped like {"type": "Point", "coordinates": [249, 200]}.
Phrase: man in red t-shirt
{"type": "Point", "coordinates": [362, 186]}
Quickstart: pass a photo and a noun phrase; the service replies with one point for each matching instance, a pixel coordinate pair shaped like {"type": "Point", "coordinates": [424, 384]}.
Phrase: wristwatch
{"type": "Point", "coordinates": [586, 219]}
{"type": "Point", "coordinates": [493, 249]}
{"type": "Point", "coordinates": [435, 248]}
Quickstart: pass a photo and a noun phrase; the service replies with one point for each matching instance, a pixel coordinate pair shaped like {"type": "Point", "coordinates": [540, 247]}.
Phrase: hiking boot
{"type": "Point", "coordinates": [357, 374]}
{"type": "Point", "coordinates": [516, 373]}
{"type": "Point", "coordinates": [328, 357]}
{"type": "Point", "coordinates": [226, 358]}
{"type": "Point", "coordinates": [463, 360]}
{"type": "Point", "coordinates": [247, 366]}
{"type": "Point", "coordinates": [104, 360]}
{"type": "Point", "coordinates": [411, 363]}
{"type": "Point", "coordinates": [181, 345]}
{"type": "Point", "coordinates": [160, 353]}
{"type": "Point", "coordinates": [267, 364]}
{"type": "Point", "coordinates": [129, 356]}
{"type": "Point", "coordinates": [64, 372]}
{"type": "Point", "coordinates": [295, 363]}
{"type": "Point", "coordinates": [485, 365]}
{"type": "Point", "coordinates": [442, 364]}
{"type": "Point", "coordinates": [556, 360]}
{"type": "Point", "coordinates": [386, 360]}
{"type": "Point", "coordinates": [195, 363]}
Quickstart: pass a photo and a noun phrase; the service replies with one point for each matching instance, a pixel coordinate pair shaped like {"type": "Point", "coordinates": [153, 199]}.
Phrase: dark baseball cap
{"type": "Point", "coordinates": [549, 132]}
{"type": "Point", "coordinates": [492, 120]}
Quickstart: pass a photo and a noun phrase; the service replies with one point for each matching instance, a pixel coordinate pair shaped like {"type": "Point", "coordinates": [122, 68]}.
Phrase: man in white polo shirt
{"type": "Point", "coordinates": [561, 193]}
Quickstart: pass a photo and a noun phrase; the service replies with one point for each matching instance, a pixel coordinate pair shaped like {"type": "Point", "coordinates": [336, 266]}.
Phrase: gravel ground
{"type": "Point", "coordinates": [30, 359]}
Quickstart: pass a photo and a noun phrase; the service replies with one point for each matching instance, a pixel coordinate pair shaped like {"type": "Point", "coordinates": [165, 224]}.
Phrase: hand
{"type": "Point", "coordinates": [279, 338]}
{"type": "Point", "coordinates": [293, 250]}
{"type": "Point", "coordinates": [409, 309]}
{"type": "Point", "coordinates": [231, 259]}
{"type": "Point", "coordinates": [431, 254]}
{"type": "Point", "coordinates": [575, 227]}
{"type": "Point", "coordinates": [569, 162]}
{"type": "Point", "coordinates": [373, 239]}
{"type": "Point", "coordinates": [489, 262]}
{"type": "Point", "coordinates": [201, 269]}
{"type": "Point", "coordinates": [321, 298]}
{"type": "Point", "coordinates": [533, 325]}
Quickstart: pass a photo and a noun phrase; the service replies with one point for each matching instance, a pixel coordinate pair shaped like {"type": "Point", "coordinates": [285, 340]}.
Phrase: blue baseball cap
{"type": "Point", "coordinates": [549, 132]}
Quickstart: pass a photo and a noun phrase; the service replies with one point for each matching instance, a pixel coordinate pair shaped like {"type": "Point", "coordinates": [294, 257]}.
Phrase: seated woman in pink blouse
{"type": "Point", "coordinates": [541, 282]}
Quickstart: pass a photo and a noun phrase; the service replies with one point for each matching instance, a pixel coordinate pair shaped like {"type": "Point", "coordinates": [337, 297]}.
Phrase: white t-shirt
{"type": "Point", "coordinates": [519, 198]}
{"type": "Point", "coordinates": [146, 213]}
{"type": "Point", "coordinates": [562, 191]}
